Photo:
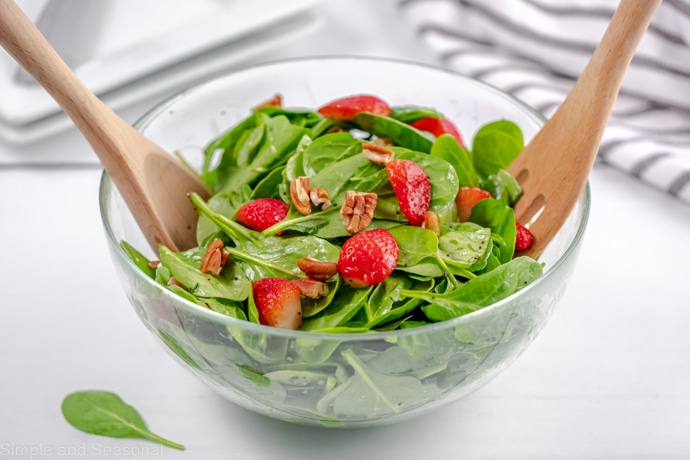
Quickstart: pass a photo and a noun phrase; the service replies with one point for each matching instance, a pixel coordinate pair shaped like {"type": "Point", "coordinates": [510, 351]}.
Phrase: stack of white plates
{"type": "Point", "coordinates": [127, 51]}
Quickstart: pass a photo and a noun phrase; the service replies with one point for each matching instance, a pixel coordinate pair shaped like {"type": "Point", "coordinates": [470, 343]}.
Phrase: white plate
{"type": "Point", "coordinates": [199, 39]}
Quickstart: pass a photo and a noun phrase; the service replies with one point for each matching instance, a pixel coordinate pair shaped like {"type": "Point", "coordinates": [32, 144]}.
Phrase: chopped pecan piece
{"type": "Point", "coordinates": [431, 223]}
{"type": "Point", "coordinates": [384, 141]}
{"type": "Point", "coordinates": [173, 282]}
{"type": "Point", "coordinates": [154, 263]}
{"type": "Point", "coordinates": [358, 209]}
{"type": "Point", "coordinates": [311, 288]}
{"type": "Point", "coordinates": [317, 269]}
{"type": "Point", "coordinates": [319, 198]}
{"type": "Point", "coordinates": [299, 194]}
{"type": "Point", "coordinates": [275, 101]}
{"type": "Point", "coordinates": [214, 259]}
{"type": "Point", "coordinates": [377, 154]}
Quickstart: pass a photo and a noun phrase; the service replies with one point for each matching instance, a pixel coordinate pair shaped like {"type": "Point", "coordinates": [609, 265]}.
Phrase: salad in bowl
{"type": "Point", "coordinates": [359, 260]}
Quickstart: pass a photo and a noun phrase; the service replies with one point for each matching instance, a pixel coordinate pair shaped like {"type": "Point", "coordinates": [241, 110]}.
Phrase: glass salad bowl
{"type": "Point", "coordinates": [336, 379]}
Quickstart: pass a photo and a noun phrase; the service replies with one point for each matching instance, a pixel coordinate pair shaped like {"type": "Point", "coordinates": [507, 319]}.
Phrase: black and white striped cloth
{"type": "Point", "coordinates": [535, 49]}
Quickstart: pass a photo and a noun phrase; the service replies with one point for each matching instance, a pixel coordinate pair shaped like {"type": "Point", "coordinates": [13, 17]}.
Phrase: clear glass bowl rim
{"type": "Point", "coordinates": [192, 308]}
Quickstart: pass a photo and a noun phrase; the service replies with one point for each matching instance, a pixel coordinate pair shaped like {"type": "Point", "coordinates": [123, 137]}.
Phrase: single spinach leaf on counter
{"type": "Point", "coordinates": [447, 148]}
{"type": "Point", "coordinates": [412, 113]}
{"type": "Point", "coordinates": [500, 218]}
{"type": "Point", "coordinates": [479, 292]}
{"type": "Point", "coordinates": [400, 133]}
{"type": "Point", "coordinates": [496, 145]}
{"type": "Point", "coordinates": [104, 413]}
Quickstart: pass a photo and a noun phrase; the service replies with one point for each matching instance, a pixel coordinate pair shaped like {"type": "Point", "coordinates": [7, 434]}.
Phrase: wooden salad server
{"type": "Point", "coordinates": [153, 183]}
{"type": "Point", "coordinates": [554, 167]}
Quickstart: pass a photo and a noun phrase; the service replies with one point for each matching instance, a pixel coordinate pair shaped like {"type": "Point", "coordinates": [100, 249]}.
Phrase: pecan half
{"type": "Point", "coordinates": [275, 101]}
{"type": "Point", "coordinates": [431, 223]}
{"type": "Point", "coordinates": [377, 154]}
{"type": "Point", "coordinates": [214, 259]}
{"type": "Point", "coordinates": [299, 194]}
{"type": "Point", "coordinates": [319, 198]}
{"type": "Point", "coordinates": [317, 269]}
{"type": "Point", "coordinates": [358, 209]}
{"type": "Point", "coordinates": [154, 263]}
{"type": "Point", "coordinates": [311, 288]}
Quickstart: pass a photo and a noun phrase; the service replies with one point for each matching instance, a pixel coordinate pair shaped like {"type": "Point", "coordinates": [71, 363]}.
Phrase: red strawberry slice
{"type": "Point", "coordinates": [278, 302]}
{"type": "Point", "coordinates": [523, 237]}
{"type": "Point", "coordinates": [367, 258]}
{"type": "Point", "coordinates": [262, 213]}
{"type": "Point", "coordinates": [437, 127]}
{"type": "Point", "coordinates": [347, 107]}
{"type": "Point", "coordinates": [412, 188]}
{"type": "Point", "coordinates": [466, 199]}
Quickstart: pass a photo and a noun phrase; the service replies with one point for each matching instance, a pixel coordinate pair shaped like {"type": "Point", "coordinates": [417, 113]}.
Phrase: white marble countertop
{"type": "Point", "coordinates": [608, 378]}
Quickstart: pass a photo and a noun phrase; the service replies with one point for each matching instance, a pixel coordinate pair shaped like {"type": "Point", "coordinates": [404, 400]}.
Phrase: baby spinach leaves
{"type": "Point", "coordinates": [106, 414]}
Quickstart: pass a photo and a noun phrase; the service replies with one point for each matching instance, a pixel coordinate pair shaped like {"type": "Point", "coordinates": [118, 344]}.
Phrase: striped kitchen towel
{"type": "Point", "coordinates": [535, 49]}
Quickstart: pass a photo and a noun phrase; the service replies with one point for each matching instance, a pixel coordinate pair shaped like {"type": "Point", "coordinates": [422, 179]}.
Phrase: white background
{"type": "Point", "coordinates": [608, 378]}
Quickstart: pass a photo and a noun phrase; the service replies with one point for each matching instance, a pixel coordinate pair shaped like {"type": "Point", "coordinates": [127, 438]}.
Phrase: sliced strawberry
{"type": "Point", "coordinates": [368, 257]}
{"type": "Point", "coordinates": [412, 188]}
{"type": "Point", "coordinates": [347, 107]}
{"type": "Point", "coordinates": [523, 237]}
{"type": "Point", "coordinates": [278, 302]}
{"type": "Point", "coordinates": [262, 213]}
{"type": "Point", "coordinates": [466, 199]}
{"type": "Point", "coordinates": [437, 127]}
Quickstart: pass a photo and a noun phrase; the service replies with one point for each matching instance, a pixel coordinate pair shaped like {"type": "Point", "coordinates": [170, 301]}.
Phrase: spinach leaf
{"type": "Point", "coordinates": [326, 150]}
{"type": "Point", "coordinates": [412, 113]}
{"type": "Point", "coordinates": [138, 258]}
{"type": "Point", "coordinates": [447, 148]}
{"type": "Point", "coordinates": [214, 215]}
{"type": "Point", "coordinates": [268, 186]}
{"type": "Point", "coordinates": [219, 220]}
{"type": "Point", "coordinates": [479, 292]}
{"type": "Point", "coordinates": [496, 145]}
{"type": "Point", "coordinates": [400, 133]}
{"type": "Point", "coordinates": [363, 393]}
{"type": "Point", "coordinates": [466, 247]}
{"type": "Point", "coordinates": [500, 218]}
{"type": "Point", "coordinates": [266, 146]}
{"type": "Point", "coordinates": [385, 304]}
{"type": "Point", "coordinates": [231, 284]}
{"type": "Point", "coordinates": [346, 303]}
{"type": "Point", "coordinates": [502, 185]}
{"type": "Point", "coordinates": [278, 256]}
{"type": "Point", "coordinates": [106, 414]}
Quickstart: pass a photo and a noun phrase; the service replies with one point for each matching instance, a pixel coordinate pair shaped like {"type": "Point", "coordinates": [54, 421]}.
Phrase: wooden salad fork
{"type": "Point", "coordinates": [554, 167]}
{"type": "Point", "coordinates": [153, 183]}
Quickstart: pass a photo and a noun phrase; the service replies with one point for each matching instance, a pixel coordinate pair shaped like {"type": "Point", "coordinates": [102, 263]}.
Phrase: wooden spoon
{"type": "Point", "coordinates": [554, 167]}
{"type": "Point", "coordinates": [153, 183]}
